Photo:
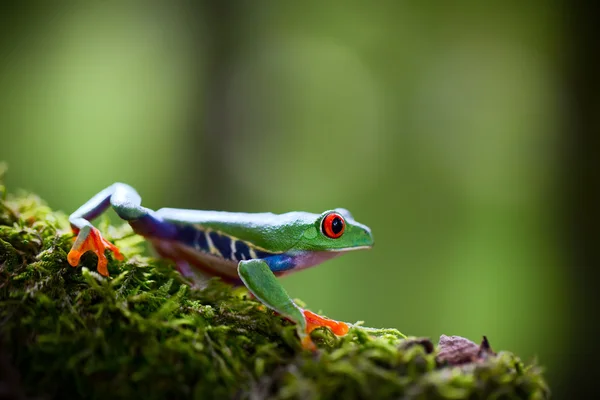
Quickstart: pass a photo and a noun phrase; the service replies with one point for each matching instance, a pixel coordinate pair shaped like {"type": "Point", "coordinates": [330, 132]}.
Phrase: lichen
{"type": "Point", "coordinates": [145, 333]}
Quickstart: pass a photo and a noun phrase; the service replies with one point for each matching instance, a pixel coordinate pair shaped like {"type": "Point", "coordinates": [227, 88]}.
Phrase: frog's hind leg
{"type": "Point", "coordinates": [127, 204]}
{"type": "Point", "coordinates": [262, 283]}
{"type": "Point", "coordinates": [197, 279]}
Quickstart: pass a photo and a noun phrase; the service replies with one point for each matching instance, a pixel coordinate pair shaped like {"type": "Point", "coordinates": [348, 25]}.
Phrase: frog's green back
{"type": "Point", "coordinates": [275, 233]}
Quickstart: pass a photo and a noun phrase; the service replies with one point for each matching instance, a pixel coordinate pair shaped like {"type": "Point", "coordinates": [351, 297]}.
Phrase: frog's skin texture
{"type": "Point", "coordinates": [241, 248]}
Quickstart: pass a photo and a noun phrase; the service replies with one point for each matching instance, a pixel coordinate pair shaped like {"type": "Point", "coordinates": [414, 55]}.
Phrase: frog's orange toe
{"type": "Point", "coordinates": [92, 241]}
{"type": "Point", "coordinates": [307, 343]}
{"type": "Point", "coordinates": [73, 257]}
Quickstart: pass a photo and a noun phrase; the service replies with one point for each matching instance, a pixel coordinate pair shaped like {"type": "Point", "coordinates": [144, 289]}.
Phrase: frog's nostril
{"type": "Point", "coordinates": [368, 238]}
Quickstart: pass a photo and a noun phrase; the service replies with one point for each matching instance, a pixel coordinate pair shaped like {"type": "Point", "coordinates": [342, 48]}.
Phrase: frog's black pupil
{"type": "Point", "coordinates": [337, 225]}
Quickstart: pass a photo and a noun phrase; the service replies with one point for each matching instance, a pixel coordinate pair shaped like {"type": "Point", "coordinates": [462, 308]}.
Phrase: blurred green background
{"type": "Point", "coordinates": [435, 125]}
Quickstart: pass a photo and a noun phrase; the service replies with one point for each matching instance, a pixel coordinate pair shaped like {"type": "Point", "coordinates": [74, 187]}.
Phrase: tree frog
{"type": "Point", "coordinates": [242, 248]}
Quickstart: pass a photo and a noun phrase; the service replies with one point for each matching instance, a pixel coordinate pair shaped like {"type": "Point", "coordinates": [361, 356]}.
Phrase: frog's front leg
{"type": "Point", "coordinates": [126, 202]}
{"type": "Point", "coordinates": [262, 283]}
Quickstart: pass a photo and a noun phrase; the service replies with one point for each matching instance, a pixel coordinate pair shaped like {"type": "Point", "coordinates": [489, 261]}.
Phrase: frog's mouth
{"type": "Point", "coordinates": [345, 249]}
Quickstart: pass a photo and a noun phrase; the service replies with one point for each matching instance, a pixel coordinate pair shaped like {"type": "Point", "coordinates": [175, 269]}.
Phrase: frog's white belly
{"type": "Point", "coordinates": [207, 263]}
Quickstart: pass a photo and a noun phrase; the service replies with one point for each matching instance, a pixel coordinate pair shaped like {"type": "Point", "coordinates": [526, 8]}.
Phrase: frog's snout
{"type": "Point", "coordinates": [367, 239]}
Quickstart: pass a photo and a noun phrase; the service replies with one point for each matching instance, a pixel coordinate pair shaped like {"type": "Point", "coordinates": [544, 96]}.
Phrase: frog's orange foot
{"type": "Point", "coordinates": [92, 240]}
{"type": "Point", "coordinates": [314, 321]}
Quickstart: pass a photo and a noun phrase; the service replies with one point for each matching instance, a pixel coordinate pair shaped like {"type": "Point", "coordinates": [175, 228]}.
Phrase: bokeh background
{"type": "Point", "coordinates": [441, 126]}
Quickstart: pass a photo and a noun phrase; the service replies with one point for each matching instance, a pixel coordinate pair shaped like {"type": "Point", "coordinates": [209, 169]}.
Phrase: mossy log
{"type": "Point", "coordinates": [144, 333]}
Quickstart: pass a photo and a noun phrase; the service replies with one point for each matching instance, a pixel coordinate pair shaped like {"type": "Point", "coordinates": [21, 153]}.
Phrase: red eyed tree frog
{"type": "Point", "coordinates": [242, 248]}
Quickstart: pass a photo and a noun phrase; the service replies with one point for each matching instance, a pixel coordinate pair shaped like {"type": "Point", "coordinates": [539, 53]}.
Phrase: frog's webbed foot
{"type": "Point", "coordinates": [90, 239]}
{"type": "Point", "coordinates": [314, 321]}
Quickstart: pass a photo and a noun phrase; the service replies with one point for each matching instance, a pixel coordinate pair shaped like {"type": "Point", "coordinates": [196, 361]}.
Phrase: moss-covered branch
{"type": "Point", "coordinates": [143, 333]}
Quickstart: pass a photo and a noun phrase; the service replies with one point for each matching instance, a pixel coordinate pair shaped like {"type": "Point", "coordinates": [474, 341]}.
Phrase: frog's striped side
{"type": "Point", "coordinates": [219, 244]}
{"type": "Point", "coordinates": [212, 252]}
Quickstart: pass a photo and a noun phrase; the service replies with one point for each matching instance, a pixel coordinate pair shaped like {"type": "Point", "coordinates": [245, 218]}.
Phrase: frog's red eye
{"type": "Point", "coordinates": [333, 225]}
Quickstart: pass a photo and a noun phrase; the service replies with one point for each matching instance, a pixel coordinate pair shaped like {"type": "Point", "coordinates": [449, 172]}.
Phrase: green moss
{"type": "Point", "coordinates": [144, 333]}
